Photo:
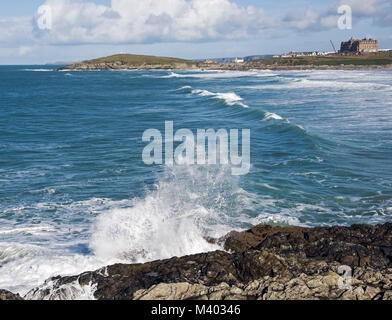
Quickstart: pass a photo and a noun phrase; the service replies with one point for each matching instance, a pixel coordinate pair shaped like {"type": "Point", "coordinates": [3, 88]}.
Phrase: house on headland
{"type": "Point", "coordinates": [359, 46]}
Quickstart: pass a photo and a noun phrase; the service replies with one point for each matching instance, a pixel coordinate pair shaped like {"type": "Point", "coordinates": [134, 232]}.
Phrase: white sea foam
{"type": "Point", "coordinates": [269, 186]}
{"type": "Point", "coordinates": [297, 83]}
{"type": "Point", "coordinates": [230, 98]}
{"type": "Point", "coordinates": [37, 230]}
{"type": "Point", "coordinates": [273, 116]}
{"type": "Point", "coordinates": [38, 70]}
{"type": "Point", "coordinates": [270, 115]}
{"type": "Point", "coordinates": [171, 75]}
{"type": "Point", "coordinates": [69, 291]}
{"type": "Point", "coordinates": [184, 88]}
{"type": "Point", "coordinates": [27, 266]}
{"type": "Point", "coordinates": [171, 221]}
{"type": "Point", "coordinates": [278, 219]}
{"type": "Point", "coordinates": [188, 204]}
{"type": "Point", "coordinates": [221, 74]}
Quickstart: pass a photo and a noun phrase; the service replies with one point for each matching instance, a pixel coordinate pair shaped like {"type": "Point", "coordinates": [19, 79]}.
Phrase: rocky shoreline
{"type": "Point", "coordinates": [87, 66]}
{"type": "Point", "coordinates": [247, 66]}
{"type": "Point", "coordinates": [257, 65]}
{"type": "Point", "coordinates": [263, 263]}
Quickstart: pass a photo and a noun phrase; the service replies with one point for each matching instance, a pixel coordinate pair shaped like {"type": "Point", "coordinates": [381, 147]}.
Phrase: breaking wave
{"type": "Point", "coordinates": [25, 266]}
{"type": "Point", "coordinates": [297, 83]}
{"type": "Point", "coordinates": [270, 115]}
{"type": "Point", "coordinates": [38, 70]}
{"type": "Point", "coordinates": [221, 74]}
{"type": "Point", "coordinates": [230, 98]}
{"type": "Point", "coordinates": [188, 204]}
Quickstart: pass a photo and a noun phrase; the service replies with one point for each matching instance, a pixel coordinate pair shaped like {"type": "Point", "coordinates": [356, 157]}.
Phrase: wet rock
{"type": "Point", "coordinates": [359, 245]}
{"type": "Point", "coordinates": [264, 263]}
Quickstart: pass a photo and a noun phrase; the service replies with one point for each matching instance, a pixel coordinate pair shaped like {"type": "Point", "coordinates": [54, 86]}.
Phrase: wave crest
{"type": "Point", "coordinates": [230, 98]}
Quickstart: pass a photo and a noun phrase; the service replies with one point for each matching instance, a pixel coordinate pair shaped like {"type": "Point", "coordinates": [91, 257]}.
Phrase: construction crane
{"type": "Point", "coordinates": [333, 46]}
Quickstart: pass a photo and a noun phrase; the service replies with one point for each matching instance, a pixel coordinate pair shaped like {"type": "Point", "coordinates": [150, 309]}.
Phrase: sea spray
{"type": "Point", "coordinates": [194, 149]}
{"type": "Point", "coordinates": [188, 204]}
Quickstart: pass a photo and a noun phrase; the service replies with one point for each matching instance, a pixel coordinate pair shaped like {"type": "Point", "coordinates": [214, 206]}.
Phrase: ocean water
{"type": "Point", "coordinates": [75, 194]}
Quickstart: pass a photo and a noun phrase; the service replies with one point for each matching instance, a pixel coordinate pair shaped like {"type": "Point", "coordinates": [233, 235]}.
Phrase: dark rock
{"type": "Point", "coordinates": [358, 245]}
{"type": "Point", "coordinates": [263, 263]}
{"type": "Point", "coordinates": [6, 295]}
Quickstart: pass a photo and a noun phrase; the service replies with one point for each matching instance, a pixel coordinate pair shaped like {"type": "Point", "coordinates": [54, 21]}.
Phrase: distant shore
{"type": "Point", "coordinates": [220, 67]}
{"type": "Point", "coordinates": [140, 62]}
{"type": "Point", "coordinates": [233, 67]}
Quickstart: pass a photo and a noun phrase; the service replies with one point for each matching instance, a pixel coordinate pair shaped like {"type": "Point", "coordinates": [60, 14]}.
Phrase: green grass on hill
{"type": "Point", "coordinates": [379, 58]}
{"type": "Point", "coordinates": [132, 59]}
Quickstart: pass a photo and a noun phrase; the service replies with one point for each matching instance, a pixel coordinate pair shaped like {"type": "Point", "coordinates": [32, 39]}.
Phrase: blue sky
{"type": "Point", "coordinates": [183, 28]}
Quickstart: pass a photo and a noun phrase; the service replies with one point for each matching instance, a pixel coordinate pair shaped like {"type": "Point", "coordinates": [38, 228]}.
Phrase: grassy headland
{"type": "Point", "coordinates": [366, 59]}
{"type": "Point", "coordinates": [134, 59]}
{"type": "Point", "coordinates": [332, 61]}
{"type": "Point", "coordinates": [131, 61]}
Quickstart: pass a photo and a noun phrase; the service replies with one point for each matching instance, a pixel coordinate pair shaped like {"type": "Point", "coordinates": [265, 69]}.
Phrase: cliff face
{"type": "Point", "coordinates": [265, 263]}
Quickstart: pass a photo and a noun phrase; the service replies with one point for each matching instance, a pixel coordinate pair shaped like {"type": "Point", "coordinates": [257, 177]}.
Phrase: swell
{"type": "Point", "coordinates": [282, 130]}
{"type": "Point", "coordinates": [227, 98]}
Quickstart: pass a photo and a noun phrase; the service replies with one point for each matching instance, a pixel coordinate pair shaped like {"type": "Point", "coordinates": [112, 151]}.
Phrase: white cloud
{"type": "Point", "coordinates": [23, 50]}
{"type": "Point", "coordinates": [364, 8]}
{"type": "Point", "coordinates": [155, 21]}
{"type": "Point", "coordinates": [309, 20]}
{"type": "Point", "coordinates": [135, 21]}
{"type": "Point", "coordinates": [15, 31]}
{"type": "Point", "coordinates": [379, 11]}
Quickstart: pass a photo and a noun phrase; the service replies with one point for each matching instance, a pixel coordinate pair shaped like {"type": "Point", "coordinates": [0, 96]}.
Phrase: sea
{"type": "Point", "coordinates": [76, 195]}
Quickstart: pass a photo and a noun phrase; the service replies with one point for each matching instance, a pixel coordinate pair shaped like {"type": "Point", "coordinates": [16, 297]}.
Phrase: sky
{"type": "Point", "coordinates": [45, 31]}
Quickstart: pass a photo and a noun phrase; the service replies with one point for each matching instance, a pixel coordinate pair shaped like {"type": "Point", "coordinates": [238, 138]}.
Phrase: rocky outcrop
{"type": "Point", "coordinates": [264, 263]}
{"type": "Point", "coordinates": [6, 295]}
{"type": "Point", "coordinates": [357, 246]}
{"type": "Point", "coordinates": [131, 62]}
{"type": "Point", "coordinates": [118, 65]}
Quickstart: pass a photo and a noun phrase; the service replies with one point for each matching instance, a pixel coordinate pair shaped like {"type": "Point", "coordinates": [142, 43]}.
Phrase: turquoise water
{"type": "Point", "coordinates": [75, 194]}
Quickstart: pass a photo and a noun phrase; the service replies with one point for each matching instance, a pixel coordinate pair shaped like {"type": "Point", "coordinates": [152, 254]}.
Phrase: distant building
{"type": "Point", "coordinates": [358, 46]}
{"type": "Point", "coordinates": [301, 54]}
{"type": "Point", "coordinates": [239, 60]}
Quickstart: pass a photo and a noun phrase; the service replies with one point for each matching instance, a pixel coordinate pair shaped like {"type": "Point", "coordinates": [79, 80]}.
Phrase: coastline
{"type": "Point", "coordinates": [247, 66]}
{"type": "Point", "coordinates": [263, 263]}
